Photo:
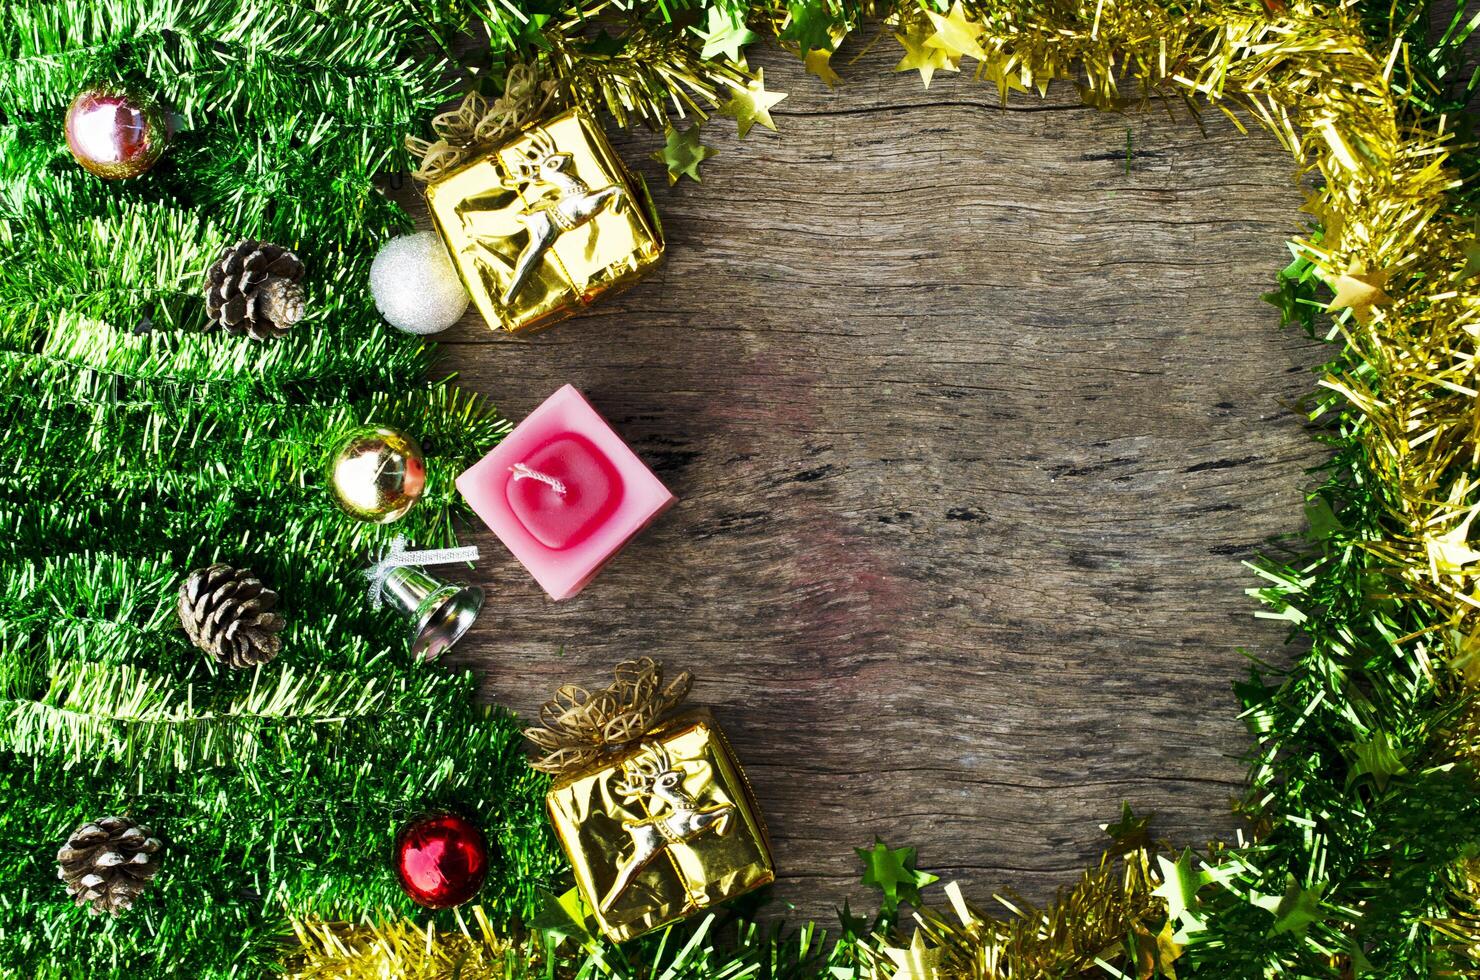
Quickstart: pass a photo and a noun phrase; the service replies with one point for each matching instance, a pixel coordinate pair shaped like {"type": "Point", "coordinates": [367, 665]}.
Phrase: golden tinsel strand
{"type": "Point", "coordinates": [1083, 924]}
{"type": "Point", "coordinates": [1459, 932]}
{"type": "Point", "coordinates": [656, 77]}
{"type": "Point", "coordinates": [404, 950]}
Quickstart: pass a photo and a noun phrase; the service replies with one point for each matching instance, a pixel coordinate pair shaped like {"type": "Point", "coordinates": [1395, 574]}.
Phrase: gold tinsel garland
{"type": "Point", "coordinates": [1110, 904]}
{"type": "Point", "coordinates": [1395, 256]}
{"type": "Point", "coordinates": [404, 950]}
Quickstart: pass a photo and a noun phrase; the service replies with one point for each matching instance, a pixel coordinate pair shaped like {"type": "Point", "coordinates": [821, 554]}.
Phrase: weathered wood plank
{"type": "Point", "coordinates": [973, 420]}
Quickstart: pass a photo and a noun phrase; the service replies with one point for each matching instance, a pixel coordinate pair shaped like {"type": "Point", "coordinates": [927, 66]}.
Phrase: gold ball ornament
{"type": "Point", "coordinates": [377, 474]}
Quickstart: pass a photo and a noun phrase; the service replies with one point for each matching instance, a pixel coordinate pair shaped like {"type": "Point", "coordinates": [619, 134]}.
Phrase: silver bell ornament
{"type": "Point", "coordinates": [440, 612]}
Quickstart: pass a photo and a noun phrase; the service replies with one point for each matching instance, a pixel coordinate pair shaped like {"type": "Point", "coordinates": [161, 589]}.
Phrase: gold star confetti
{"type": "Point", "coordinates": [956, 34]}
{"type": "Point", "coordinates": [682, 154]}
{"type": "Point", "coordinates": [996, 71]}
{"type": "Point", "coordinates": [1450, 552]}
{"type": "Point", "coordinates": [1330, 218]}
{"type": "Point", "coordinates": [918, 57]}
{"type": "Point", "coordinates": [1359, 290]}
{"type": "Point", "coordinates": [1471, 252]}
{"type": "Point", "coordinates": [752, 104]}
{"type": "Point", "coordinates": [916, 961]}
{"type": "Point", "coordinates": [1472, 257]}
{"type": "Point", "coordinates": [819, 63]}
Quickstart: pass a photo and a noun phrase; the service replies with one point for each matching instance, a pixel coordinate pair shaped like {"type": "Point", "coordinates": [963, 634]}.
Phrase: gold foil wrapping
{"type": "Point", "coordinates": [663, 830]}
{"type": "Point", "coordinates": [559, 196]}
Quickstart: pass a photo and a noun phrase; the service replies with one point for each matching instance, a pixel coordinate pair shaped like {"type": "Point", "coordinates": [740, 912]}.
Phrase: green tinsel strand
{"type": "Point", "coordinates": [141, 446]}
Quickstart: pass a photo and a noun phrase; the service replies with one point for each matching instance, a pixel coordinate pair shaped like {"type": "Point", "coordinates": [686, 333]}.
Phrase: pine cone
{"type": "Point", "coordinates": [229, 614]}
{"type": "Point", "coordinates": [254, 288]}
{"type": "Point", "coordinates": [107, 863]}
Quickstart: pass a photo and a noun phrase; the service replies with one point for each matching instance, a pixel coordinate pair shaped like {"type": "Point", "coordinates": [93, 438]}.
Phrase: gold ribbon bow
{"type": "Point", "coordinates": [477, 126]}
{"type": "Point", "coordinates": [579, 727]}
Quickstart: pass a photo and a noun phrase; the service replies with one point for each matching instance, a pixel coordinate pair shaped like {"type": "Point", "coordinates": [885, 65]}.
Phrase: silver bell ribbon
{"type": "Point", "coordinates": [398, 557]}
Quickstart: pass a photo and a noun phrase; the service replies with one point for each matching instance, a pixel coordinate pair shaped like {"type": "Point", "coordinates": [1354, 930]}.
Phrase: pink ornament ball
{"type": "Point", "coordinates": [115, 132]}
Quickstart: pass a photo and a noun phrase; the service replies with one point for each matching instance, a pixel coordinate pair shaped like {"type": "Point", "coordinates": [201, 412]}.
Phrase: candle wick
{"type": "Point", "coordinates": [522, 472]}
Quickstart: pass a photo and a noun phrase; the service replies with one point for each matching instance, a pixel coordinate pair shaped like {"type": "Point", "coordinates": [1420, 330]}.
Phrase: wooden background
{"type": "Point", "coordinates": [974, 419]}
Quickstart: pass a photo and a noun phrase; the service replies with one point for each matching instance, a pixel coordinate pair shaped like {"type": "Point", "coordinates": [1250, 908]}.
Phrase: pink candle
{"type": "Point", "coordinates": [563, 493]}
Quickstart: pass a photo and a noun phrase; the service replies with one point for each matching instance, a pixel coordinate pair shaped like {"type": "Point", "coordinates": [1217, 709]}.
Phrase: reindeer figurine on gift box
{"type": "Point", "coordinates": [676, 817]}
{"type": "Point", "coordinates": [574, 203]}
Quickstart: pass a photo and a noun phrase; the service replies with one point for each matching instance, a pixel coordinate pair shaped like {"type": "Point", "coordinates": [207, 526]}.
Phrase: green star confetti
{"type": "Point", "coordinates": [682, 153]}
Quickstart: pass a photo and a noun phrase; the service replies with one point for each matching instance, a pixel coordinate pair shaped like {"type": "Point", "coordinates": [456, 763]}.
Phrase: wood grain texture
{"type": "Point", "coordinates": [973, 420]}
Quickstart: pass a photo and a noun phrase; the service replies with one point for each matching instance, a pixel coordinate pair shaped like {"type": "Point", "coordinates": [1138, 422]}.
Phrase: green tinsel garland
{"type": "Point", "coordinates": [139, 446]}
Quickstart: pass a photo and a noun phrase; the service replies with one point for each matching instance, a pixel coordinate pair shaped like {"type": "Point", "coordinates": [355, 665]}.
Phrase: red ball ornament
{"type": "Point", "coordinates": [441, 860]}
{"type": "Point", "coordinates": [115, 132]}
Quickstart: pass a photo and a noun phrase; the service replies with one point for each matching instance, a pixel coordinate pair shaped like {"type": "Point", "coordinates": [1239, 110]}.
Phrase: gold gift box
{"type": "Point", "coordinates": [542, 226]}
{"type": "Point", "coordinates": [663, 830]}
